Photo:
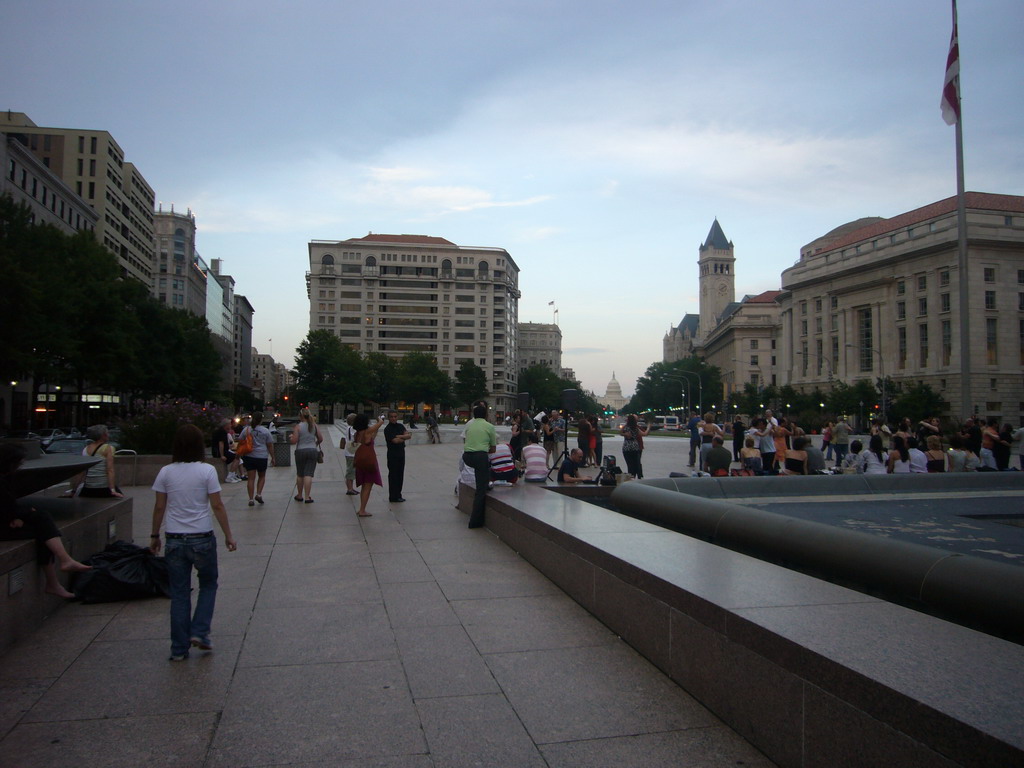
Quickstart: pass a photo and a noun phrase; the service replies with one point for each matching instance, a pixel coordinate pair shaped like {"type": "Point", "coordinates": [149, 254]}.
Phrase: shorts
{"type": "Point", "coordinates": [254, 465]}
{"type": "Point", "coordinates": [305, 462]}
{"type": "Point", "coordinates": [228, 457]}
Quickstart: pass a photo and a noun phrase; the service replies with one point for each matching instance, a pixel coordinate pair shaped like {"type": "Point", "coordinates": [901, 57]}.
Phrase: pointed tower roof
{"type": "Point", "coordinates": [716, 238]}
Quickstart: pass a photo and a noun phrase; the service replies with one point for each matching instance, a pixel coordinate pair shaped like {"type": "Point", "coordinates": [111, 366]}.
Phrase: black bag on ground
{"type": "Point", "coordinates": [122, 571]}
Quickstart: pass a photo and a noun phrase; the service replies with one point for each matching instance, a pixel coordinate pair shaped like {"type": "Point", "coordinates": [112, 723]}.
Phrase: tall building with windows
{"type": "Point", "coordinates": [412, 293]}
{"type": "Point", "coordinates": [179, 278]}
{"type": "Point", "coordinates": [92, 165]}
{"type": "Point", "coordinates": [27, 180]}
{"type": "Point", "coordinates": [882, 300]}
{"type": "Point", "coordinates": [540, 344]}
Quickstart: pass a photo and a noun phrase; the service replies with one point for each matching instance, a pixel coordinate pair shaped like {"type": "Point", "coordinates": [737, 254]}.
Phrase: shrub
{"type": "Point", "coordinates": [151, 426]}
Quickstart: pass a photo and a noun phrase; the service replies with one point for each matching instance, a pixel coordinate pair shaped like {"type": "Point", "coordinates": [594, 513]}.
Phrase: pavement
{"type": "Point", "coordinates": [398, 640]}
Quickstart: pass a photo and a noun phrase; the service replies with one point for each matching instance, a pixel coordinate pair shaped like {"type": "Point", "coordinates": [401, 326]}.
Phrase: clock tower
{"type": "Point", "coordinates": [717, 278]}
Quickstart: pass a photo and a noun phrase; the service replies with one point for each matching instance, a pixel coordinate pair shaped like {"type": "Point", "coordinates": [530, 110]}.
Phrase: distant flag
{"type": "Point", "coordinates": [951, 87]}
{"type": "Point", "coordinates": [551, 303]}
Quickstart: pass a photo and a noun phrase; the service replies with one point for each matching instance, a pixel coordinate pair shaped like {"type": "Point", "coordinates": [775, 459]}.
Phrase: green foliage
{"type": "Point", "coordinates": [327, 371]}
{"type": "Point", "coordinates": [666, 387]}
{"type": "Point", "coordinates": [845, 399]}
{"type": "Point", "coordinates": [381, 372]}
{"type": "Point", "coordinates": [150, 428]}
{"type": "Point", "coordinates": [470, 383]}
{"type": "Point", "coordinates": [915, 402]}
{"type": "Point", "coordinates": [544, 386]}
{"type": "Point", "coordinates": [420, 380]}
{"type": "Point", "coordinates": [67, 318]}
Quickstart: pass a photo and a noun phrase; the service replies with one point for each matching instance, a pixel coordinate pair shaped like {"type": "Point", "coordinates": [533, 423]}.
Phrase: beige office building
{"type": "Point", "coordinates": [882, 300]}
{"type": "Point", "coordinates": [540, 344]}
{"type": "Point", "coordinates": [179, 278]}
{"type": "Point", "coordinates": [411, 293]}
{"type": "Point", "coordinates": [92, 165]}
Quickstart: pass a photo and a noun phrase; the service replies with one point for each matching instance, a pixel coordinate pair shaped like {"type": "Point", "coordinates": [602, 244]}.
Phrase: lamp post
{"type": "Point", "coordinates": [825, 360]}
{"type": "Point", "coordinates": [881, 374]}
{"type": "Point", "coordinates": [700, 387]}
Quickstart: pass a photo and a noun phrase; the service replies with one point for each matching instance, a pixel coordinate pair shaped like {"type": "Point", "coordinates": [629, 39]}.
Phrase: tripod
{"type": "Point", "coordinates": [558, 462]}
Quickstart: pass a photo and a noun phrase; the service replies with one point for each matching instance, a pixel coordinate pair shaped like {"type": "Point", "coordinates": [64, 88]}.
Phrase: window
{"type": "Point", "coordinates": [817, 325]}
{"type": "Point", "coordinates": [991, 350]}
{"type": "Point", "coordinates": [865, 338]}
{"type": "Point", "coordinates": [922, 340]}
{"type": "Point", "coordinates": [947, 342]}
{"type": "Point", "coordinates": [901, 347]}
{"type": "Point", "coordinates": [1020, 301]}
{"type": "Point", "coordinates": [901, 287]}
{"type": "Point", "coordinates": [901, 310]}
{"type": "Point", "coordinates": [922, 283]}
{"type": "Point", "coordinates": [944, 302]}
{"type": "Point", "coordinates": [834, 325]}
{"type": "Point", "coordinates": [803, 327]}
{"type": "Point", "coordinates": [1020, 276]}
{"type": "Point", "coordinates": [834, 302]}
{"type": "Point", "coordinates": [922, 307]}
{"type": "Point", "coordinates": [753, 342]}
{"type": "Point", "coordinates": [944, 277]}
{"type": "Point", "coordinates": [753, 359]}
{"type": "Point", "coordinates": [990, 299]}
{"type": "Point", "coordinates": [990, 274]}
{"type": "Point", "coordinates": [817, 305]}
{"type": "Point", "coordinates": [803, 307]}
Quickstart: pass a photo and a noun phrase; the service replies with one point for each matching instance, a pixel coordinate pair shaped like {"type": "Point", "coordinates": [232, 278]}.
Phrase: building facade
{"type": "Point", "coordinates": [540, 344]}
{"type": "Point", "coordinates": [878, 298]}
{"type": "Point", "coordinates": [92, 165]}
{"type": "Point", "coordinates": [411, 293]}
{"type": "Point", "coordinates": [29, 182]}
{"type": "Point", "coordinates": [882, 300]}
{"type": "Point", "coordinates": [179, 280]}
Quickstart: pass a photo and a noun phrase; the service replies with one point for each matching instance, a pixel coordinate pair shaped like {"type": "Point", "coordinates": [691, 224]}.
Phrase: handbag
{"type": "Point", "coordinates": [245, 445]}
{"type": "Point", "coordinates": [319, 456]}
{"type": "Point", "coordinates": [365, 458]}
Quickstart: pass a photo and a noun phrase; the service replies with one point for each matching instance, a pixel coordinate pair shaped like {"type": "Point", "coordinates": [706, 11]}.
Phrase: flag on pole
{"type": "Point", "coordinates": [551, 303]}
{"type": "Point", "coordinates": [951, 87]}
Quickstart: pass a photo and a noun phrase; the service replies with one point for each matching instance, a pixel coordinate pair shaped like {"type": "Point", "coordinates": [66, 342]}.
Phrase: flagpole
{"type": "Point", "coordinates": [966, 406]}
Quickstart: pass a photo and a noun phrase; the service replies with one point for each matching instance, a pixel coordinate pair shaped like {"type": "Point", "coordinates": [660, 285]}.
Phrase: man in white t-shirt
{"type": "Point", "coordinates": [349, 451]}
{"type": "Point", "coordinates": [186, 490]}
{"type": "Point", "coordinates": [536, 459]}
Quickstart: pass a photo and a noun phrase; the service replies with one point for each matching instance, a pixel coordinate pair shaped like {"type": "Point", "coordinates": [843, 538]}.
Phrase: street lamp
{"type": "Point", "coordinates": [881, 374]}
{"type": "Point", "coordinates": [700, 387]}
{"type": "Point", "coordinates": [823, 359]}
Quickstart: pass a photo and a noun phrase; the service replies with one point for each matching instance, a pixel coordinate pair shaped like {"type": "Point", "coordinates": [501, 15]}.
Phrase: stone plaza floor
{"type": "Point", "coordinates": [401, 639]}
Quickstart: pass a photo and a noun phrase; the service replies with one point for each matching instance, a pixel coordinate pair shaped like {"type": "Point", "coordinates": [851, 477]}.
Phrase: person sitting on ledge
{"type": "Point", "coordinates": [20, 522]}
{"type": "Point", "coordinates": [718, 458]}
{"type": "Point", "coordinates": [569, 472]}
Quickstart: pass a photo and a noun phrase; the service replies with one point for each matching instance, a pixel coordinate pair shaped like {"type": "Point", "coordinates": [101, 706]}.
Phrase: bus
{"type": "Point", "coordinates": [670, 423]}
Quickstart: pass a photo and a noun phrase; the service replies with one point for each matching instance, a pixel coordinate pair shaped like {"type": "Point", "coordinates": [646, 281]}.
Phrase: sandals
{"type": "Point", "coordinates": [259, 499]}
{"type": "Point", "coordinates": [298, 498]}
{"type": "Point", "coordinates": [308, 501]}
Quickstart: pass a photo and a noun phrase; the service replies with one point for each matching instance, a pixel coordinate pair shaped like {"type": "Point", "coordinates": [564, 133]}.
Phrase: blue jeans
{"type": "Point", "coordinates": [200, 551]}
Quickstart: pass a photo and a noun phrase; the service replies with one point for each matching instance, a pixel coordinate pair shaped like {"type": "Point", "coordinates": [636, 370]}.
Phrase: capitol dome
{"type": "Point", "coordinates": [613, 395]}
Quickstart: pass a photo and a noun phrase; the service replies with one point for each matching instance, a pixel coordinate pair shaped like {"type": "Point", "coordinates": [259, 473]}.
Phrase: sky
{"type": "Point", "coordinates": [595, 141]}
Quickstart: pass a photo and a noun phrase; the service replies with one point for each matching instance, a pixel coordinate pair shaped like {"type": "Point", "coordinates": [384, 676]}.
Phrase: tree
{"type": "Point", "coordinates": [419, 380]}
{"type": "Point", "coordinates": [327, 371]}
{"type": "Point", "coordinates": [916, 402]}
{"type": "Point", "coordinates": [544, 386]}
{"type": "Point", "coordinates": [669, 386]}
{"type": "Point", "coordinates": [381, 373]}
{"type": "Point", "coordinates": [470, 383]}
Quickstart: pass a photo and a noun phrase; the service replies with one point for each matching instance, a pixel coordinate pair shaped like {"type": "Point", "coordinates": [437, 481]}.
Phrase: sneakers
{"type": "Point", "coordinates": [232, 478]}
{"type": "Point", "coordinates": [178, 656]}
{"type": "Point", "coordinates": [201, 644]}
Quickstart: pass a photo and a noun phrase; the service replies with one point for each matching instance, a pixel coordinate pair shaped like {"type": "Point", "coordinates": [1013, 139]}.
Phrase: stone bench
{"type": "Point", "coordinates": [86, 526]}
{"type": "Point", "coordinates": [811, 673]}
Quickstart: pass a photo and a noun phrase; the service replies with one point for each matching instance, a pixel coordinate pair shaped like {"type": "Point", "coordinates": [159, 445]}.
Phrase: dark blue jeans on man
{"type": "Point", "coordinates": [183, 552]}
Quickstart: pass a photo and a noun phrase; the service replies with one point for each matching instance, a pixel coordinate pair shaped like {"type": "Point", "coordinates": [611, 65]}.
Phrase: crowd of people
{"type": "Point", "coordinates": [778, 446]}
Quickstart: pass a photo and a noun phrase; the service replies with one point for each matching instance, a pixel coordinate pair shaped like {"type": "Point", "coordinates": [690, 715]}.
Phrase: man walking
{"type": "Point", "coordinates": [694, 426]}
{"type": "Point", "coordinates": [395, 437]}
{"type": "Point", "coordinates": [481, 440]}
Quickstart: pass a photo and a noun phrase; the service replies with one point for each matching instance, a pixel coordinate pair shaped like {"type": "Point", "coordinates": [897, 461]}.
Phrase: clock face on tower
{"type": "Point", "coordinates": [722, 288]}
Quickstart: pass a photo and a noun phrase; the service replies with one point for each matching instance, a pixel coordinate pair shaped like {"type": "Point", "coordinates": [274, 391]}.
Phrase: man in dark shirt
{"type": "Point", "coordinates": [395, 437]}
{"type": "Point", "coordinates": [569, 472]}
{"type": "Point", "coordinates": [718, 458]}
{"type": "Point", "coordinates": [694, 426]}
